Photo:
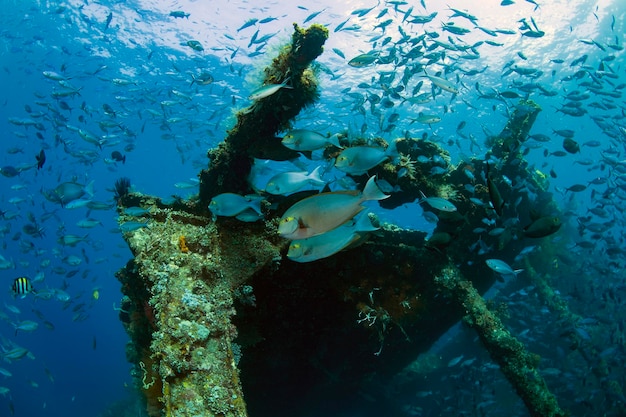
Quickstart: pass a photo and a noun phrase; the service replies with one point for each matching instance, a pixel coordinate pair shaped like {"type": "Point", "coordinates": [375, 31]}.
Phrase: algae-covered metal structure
{"type": "Point", "coordinates": [222, 324]}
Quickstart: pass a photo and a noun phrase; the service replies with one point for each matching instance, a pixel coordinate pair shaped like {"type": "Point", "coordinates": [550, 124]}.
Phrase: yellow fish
{"type": "Point", "coordinates": [323, 212]}
{"type": "Point", "coordinates": [95, 294]}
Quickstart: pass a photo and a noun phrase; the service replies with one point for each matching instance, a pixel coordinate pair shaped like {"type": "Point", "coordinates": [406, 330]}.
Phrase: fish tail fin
{"type": "Point", "coordinates": [315, 177]}
{"type": "Point", "coordinates": [334, 140]}
{"type": "Point", "coordinates": [372, 192]}
{"type": "Point", "coordinates": [254, 202]}
{"type": "Point", "coordinates": [256, 206]}
{"type": "Point", "coordinates": [89, 188]}
{"type": "Point", "coordinates": [364, 224]}
{"type": "Point", "coordinates": [392, 151]}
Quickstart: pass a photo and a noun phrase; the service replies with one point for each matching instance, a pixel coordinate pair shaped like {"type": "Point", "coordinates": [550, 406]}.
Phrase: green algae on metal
{"type": "Point", "coordinates": [257, 126]}
{"type": "Point", "coordinates": [518, 365]}
{"type": "Point", "coordinates": [179, 316]}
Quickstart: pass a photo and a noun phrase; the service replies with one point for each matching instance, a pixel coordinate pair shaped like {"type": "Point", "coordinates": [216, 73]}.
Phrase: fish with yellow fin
{"type": "Point", "coordinates": [323, 212]}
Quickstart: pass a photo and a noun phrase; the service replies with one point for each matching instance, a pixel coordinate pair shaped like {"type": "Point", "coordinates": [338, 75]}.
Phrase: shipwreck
{"type": "Point", "coordinates": [222, 324]}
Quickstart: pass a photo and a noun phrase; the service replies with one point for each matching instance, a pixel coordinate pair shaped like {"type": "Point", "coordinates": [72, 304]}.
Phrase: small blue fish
{"type": "Point", "coordinates": [136, 211]}
{"type": "Point", "coordinates": [268, 90]}
{"type": "Point", "coordinates": [249, 22]}
{"type": "Point", "coordinates": [312, 16]}
{"type": "Point", "coordinates": [71, 240]}
{"type": "Point", "coordinates": [179, 14]}
{"type": "Point", "coordinates": [339, 52]}
{"type": "Point", "coordinates": [132, 226]}
{"type": "Point", "coordinates": [455, 361]}
{"type": "Point", "coordinates": [290, 182]}
{"type": "Point", "coordinates": [443, 84]}
{"type": "Point", "coordinates": [438, 203]}
{"type": "Point", "coordinates": [502, 267]}
{"type": "Point", "coordinates": [26, 326]}
{"type": "Point", "coordinates": [364, 60]}
{"type": "Point", "coordinates": [231, 204]}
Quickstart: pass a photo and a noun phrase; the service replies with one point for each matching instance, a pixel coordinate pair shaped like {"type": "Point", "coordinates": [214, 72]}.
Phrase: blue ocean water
{"type": "Point", "coordinates": [81, 80]}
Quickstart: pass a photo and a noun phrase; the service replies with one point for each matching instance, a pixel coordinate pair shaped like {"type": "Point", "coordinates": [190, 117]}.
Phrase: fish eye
{"type": "Point", "coordinates": [295, 250]}
{"type": "Point", "coordinates": [288, 225]}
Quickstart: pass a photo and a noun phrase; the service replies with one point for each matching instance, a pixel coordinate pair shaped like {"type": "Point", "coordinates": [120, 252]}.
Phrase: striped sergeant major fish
{"type": "Point", "coordinates": [21, 287]}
